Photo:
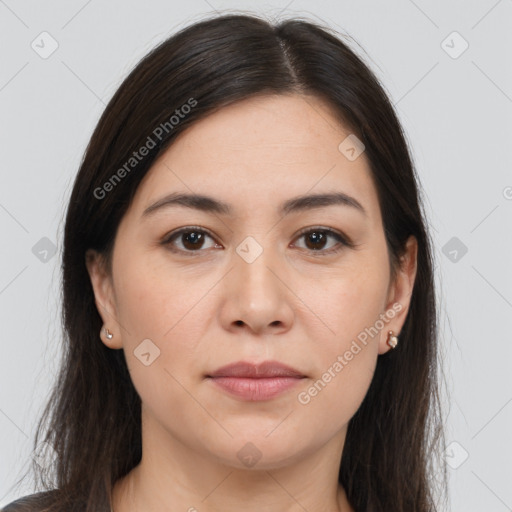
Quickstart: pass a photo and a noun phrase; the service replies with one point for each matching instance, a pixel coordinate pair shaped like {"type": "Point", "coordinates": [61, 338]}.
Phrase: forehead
{"type": "Point", "coordinates": [260, 150]}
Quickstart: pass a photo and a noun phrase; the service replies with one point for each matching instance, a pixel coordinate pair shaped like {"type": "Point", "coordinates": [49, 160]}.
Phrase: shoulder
{"type": "Point", "coordinates": [36, 502]}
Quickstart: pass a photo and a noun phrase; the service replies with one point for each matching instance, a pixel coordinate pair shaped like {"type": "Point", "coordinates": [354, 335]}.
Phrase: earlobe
{"type": "Point", "coordinates": [104, 298]}
{"type": "Point", "coordinates": [399, 297]}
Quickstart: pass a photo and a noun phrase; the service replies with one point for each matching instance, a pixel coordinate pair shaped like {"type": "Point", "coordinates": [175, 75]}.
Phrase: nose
{"type": "Point", "coordinates": [256, 297]}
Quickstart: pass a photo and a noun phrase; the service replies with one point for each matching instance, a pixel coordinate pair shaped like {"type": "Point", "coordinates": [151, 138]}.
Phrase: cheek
{"type": "Point", "coordinates": [155, 299]}
{"type": "Point", "coordinates": [332, 399]}
{"type": "Point", "coordinates": [168, 308]}
{"type": "Point", "coordinates": [350, 305]}
{"type": "Point", "coordinates": [348, 301]}
{"type": "Point", "coordinates": [158, 328]}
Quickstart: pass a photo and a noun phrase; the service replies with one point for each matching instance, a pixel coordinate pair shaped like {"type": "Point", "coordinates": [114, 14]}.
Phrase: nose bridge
{"type": "Point", "coordinates": [255, 296]}
{"type": "Point", "coordinates": [254, 264]}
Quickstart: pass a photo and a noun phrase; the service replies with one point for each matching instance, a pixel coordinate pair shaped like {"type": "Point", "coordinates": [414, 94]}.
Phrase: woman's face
{"type": "Point", "coordinates": [254, 282]}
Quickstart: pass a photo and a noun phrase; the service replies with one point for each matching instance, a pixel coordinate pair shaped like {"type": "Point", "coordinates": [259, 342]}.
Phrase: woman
{"type": "Point", "coordinates": [249, 304]}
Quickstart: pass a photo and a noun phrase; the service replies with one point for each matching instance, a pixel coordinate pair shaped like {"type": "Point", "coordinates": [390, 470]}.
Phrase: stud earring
{"type": "Point", "coordinates": [392, 340]}
{"type": "Point", "coordinates": [108, 334]}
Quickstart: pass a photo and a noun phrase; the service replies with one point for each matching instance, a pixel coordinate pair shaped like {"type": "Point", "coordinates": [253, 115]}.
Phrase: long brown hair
{"type": "Point", "coordinates": [391, 461]}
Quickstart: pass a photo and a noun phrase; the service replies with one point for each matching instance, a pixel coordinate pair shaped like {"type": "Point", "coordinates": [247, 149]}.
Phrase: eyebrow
{"type": "Point", "coordinates": [295, 204]}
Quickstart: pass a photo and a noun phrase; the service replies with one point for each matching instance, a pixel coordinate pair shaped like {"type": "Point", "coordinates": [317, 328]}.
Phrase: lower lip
{"type": "Point", "coordinates": [255, 389]}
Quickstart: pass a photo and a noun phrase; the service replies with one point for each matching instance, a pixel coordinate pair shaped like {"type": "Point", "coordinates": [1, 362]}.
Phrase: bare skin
{"type": "Point", "coordinates": [205, 305]}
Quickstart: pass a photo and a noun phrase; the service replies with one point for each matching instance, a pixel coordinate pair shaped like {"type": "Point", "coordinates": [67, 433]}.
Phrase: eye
{"type": "Point", "coordinates": [316, 239]}
{"type": "Point", "coordinates": [191, 238]}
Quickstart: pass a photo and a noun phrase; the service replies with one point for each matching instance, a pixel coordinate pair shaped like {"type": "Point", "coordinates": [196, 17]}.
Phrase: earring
{"type": "Point", "coordinates": [108, 334]}
{"type": "Point", "coordinates": [392, 340]}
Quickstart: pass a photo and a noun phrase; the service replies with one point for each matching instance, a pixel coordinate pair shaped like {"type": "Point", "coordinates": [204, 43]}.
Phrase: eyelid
{"type": "Point", "coordinates": [175, 234]}
{"type": "Point", "coordinates": [344, 240]}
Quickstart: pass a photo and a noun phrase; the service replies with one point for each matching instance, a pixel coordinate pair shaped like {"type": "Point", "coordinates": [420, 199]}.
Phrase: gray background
{"type": "Point", "coordinates": [456, 109]}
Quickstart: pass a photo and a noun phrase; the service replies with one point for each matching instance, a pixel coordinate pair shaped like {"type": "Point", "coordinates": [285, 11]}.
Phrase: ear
{"type": "Point", "coordinates": [399, 295]}
{"type": "Point", "coordinates": [104, 297]}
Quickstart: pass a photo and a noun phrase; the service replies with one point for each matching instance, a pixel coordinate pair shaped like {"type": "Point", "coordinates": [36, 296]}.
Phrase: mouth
{"type": "Point", "coordinates": [255, 382]}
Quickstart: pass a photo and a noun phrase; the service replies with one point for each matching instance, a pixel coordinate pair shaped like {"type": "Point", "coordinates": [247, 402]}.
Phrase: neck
{"type": "Point", "coordinates": [188, 478]}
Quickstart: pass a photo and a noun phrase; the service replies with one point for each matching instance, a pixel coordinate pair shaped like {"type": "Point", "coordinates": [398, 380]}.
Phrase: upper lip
{"type": "Point", "coordinates": [266, 369]}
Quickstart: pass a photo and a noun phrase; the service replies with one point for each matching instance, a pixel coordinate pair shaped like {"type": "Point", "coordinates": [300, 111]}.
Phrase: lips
{"type": "Point", "coordinates": [255, 382]}
{"type": "Point", "coordinates": [264, 370]}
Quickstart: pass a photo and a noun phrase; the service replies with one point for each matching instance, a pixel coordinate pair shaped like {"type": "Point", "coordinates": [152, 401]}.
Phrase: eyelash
{"type": "Point", "coordinates": [342, 240]}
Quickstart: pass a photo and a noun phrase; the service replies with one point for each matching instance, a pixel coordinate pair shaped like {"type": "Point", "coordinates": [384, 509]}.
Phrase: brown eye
{"type": "Point", "coordinates": [317, 239]}
{"type": "Point", "coordinates": [188, 240]}
{"type": "Point", "coordinates": [193, 239]}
